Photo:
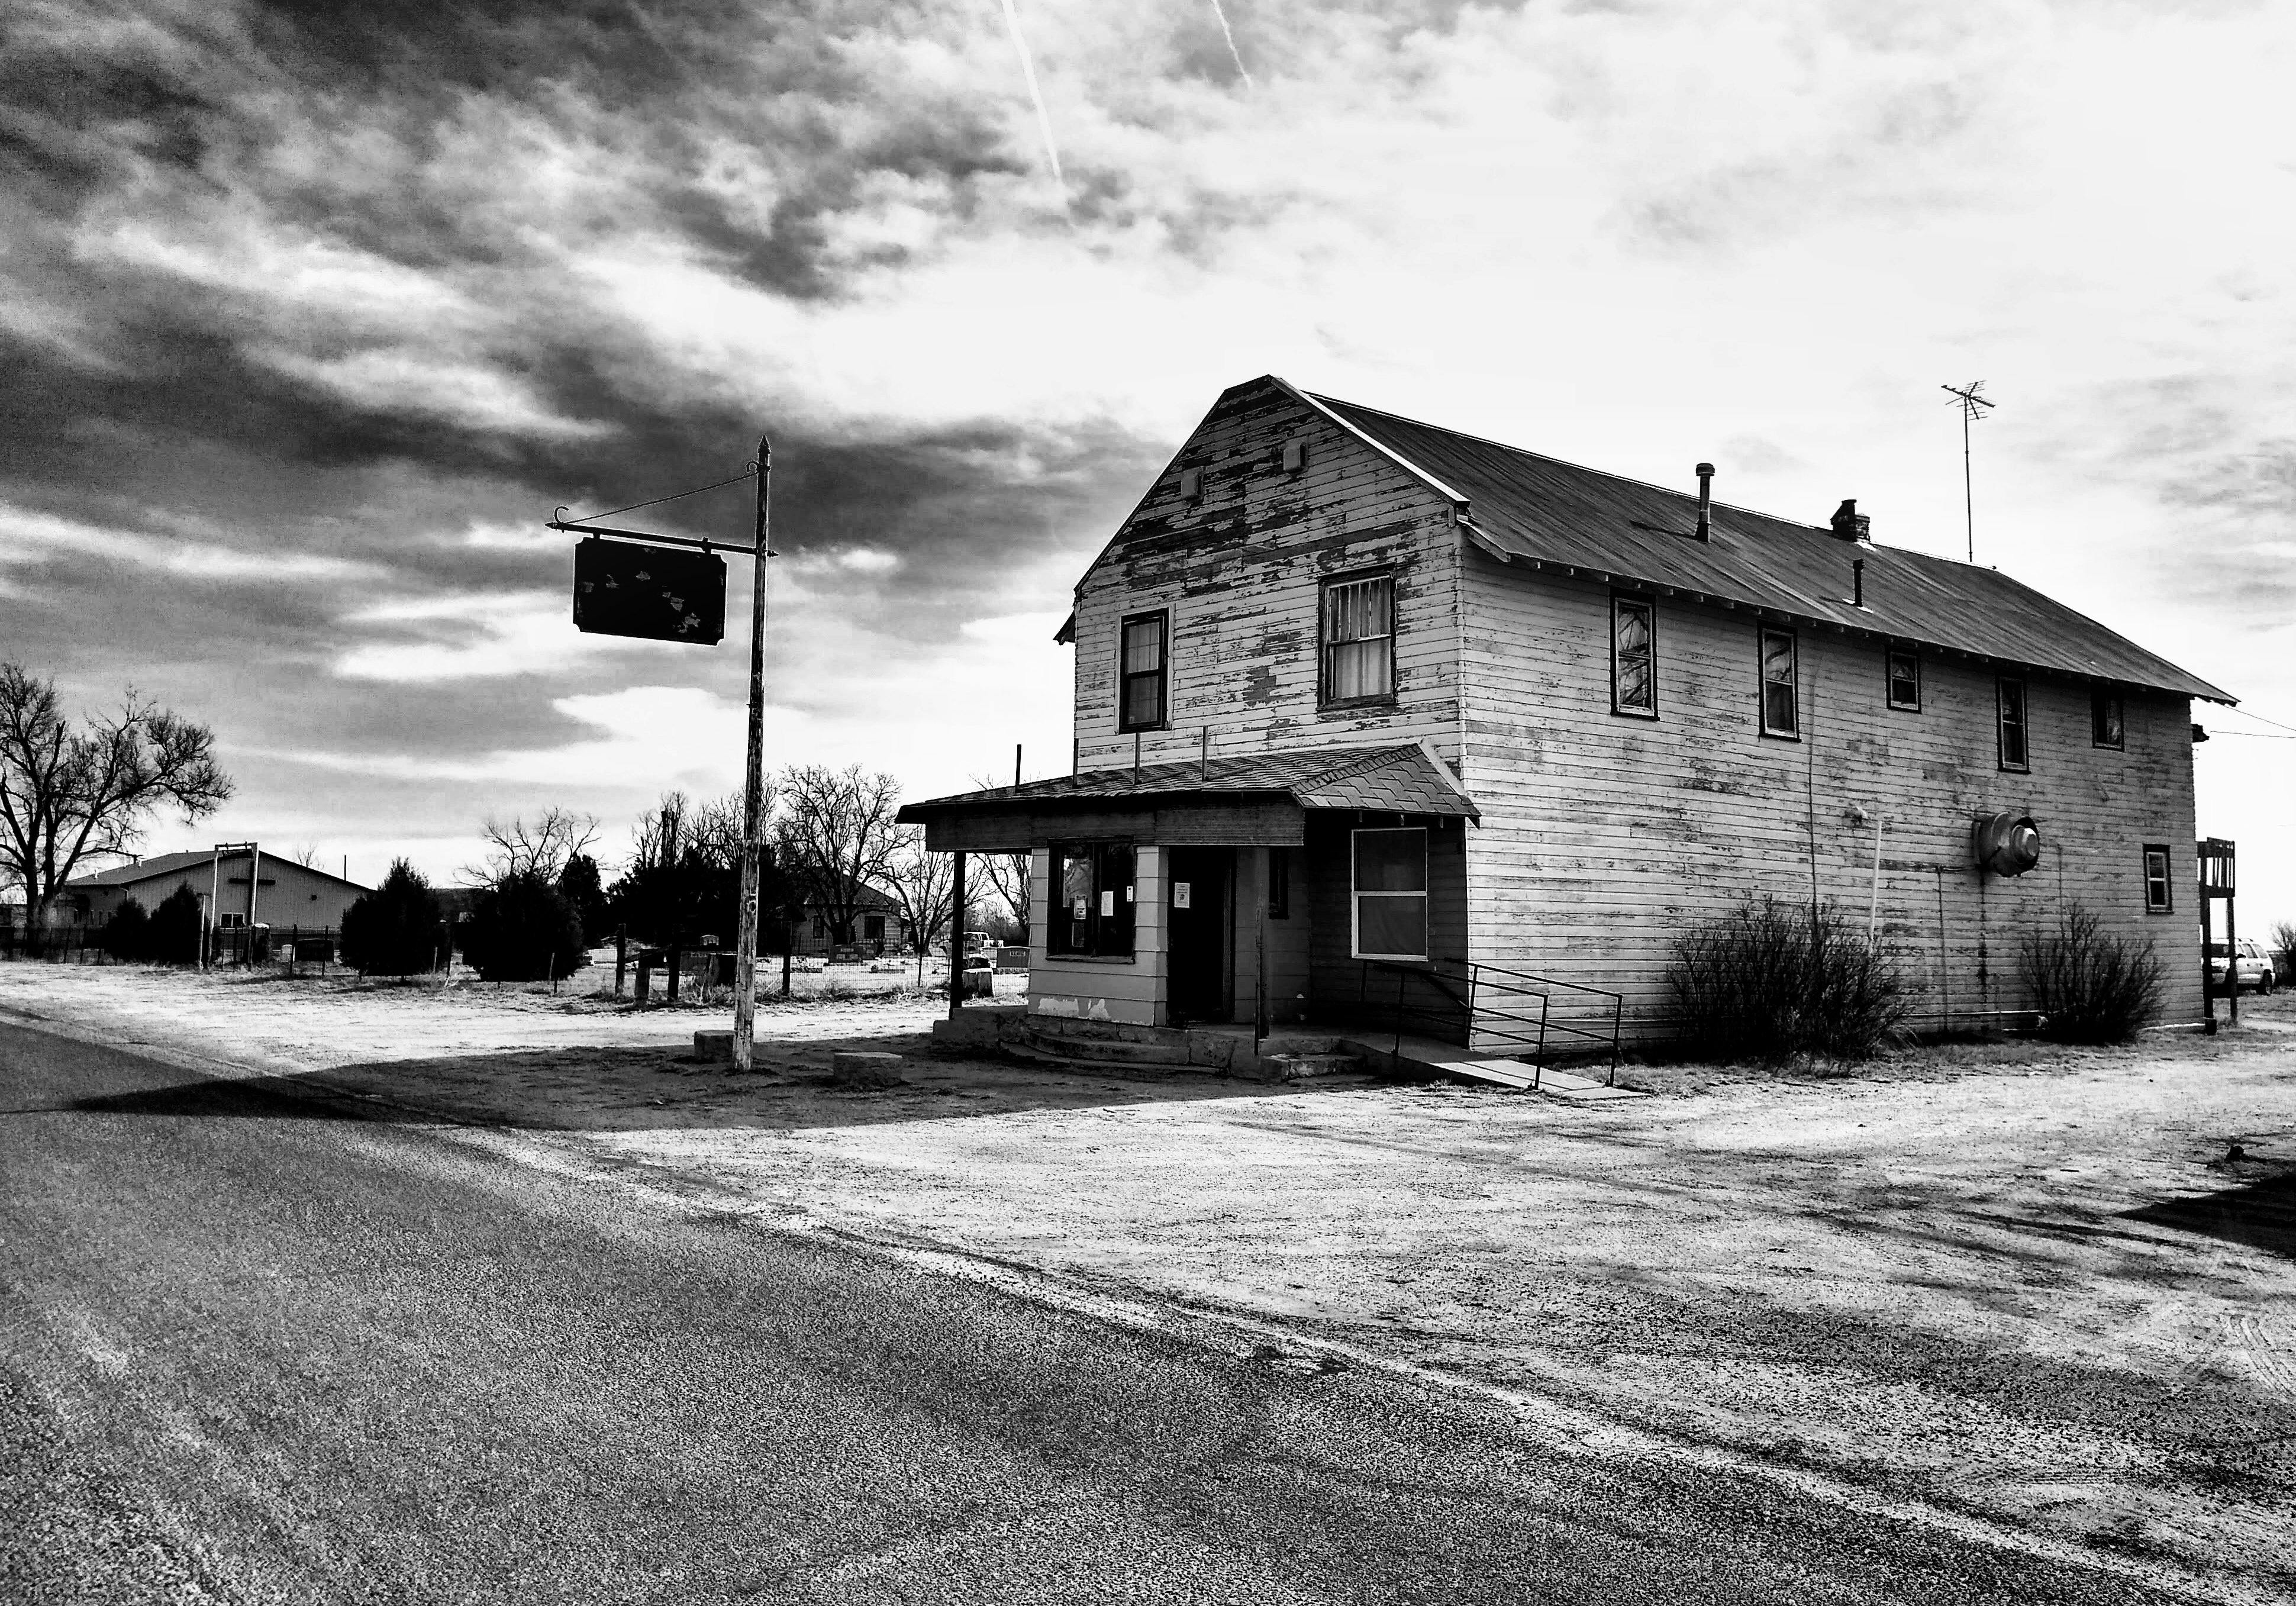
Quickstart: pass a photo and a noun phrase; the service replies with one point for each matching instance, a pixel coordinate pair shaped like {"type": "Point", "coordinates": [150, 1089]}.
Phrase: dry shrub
{"type": "Point", "coordinates": [2283, 940]}
{"type": "Point", "coordinates": [2090, 985]}
{"type": "Point", "coordinates": [1772, 981]}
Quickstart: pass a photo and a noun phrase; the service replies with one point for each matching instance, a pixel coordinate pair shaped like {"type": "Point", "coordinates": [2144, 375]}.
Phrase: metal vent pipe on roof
{"type": "Point", "coordinates": [1706, 501]}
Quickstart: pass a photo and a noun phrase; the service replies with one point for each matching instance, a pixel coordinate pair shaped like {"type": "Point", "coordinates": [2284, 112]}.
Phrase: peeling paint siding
{"type": "Point", "coordinates": [1132, 991]}
{"type": "Point", "coordinates": [1241, 572]}
{"type": "Point", "coordinates": [1603, 836]}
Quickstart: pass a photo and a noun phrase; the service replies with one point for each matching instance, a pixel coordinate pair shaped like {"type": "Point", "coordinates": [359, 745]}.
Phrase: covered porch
{"type": "Point", "coordinates": [1310, 888]}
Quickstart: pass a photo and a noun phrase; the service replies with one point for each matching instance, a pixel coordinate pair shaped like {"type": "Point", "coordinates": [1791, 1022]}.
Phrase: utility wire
{"type": "Point", "coordinates": [673, 495]}
{"type": "Point", "coordinates": [2267, 718]}
{"type": "Point", "coordinates": [2259, 735]}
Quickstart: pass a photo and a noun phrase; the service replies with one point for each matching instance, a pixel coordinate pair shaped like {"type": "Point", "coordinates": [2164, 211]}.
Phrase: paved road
{"type": "Point", "coordinates": [255, 1348]}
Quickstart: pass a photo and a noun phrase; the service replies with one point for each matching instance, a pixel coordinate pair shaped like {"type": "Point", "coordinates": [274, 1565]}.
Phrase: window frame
{"type": "Point", "coordinates": [1124, 723]}
{"type": "Point", "coordinates": [1649, 605]}
{"type": "Point", "coordinates": [1324, 697]}
{"type": "Point", "coordinates": [2100, 698]}
{"type": "Point", "coordinates": [1102, 943]}
{"type": "Point", "coordinates": [1890, 657]}
{"type": "Point", "coordinates": [1424, 893]}
{"type": "Point", "coordinates": [2023, 764]}
{"type": "Point", "coordinates": [1762, 683]}
{"type": "Point", "coordinates": [2167, 878]}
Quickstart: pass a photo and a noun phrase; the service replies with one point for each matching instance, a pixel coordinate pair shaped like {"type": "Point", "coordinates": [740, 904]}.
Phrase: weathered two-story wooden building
{"type": "Point", "coordinates": [1368, 711]}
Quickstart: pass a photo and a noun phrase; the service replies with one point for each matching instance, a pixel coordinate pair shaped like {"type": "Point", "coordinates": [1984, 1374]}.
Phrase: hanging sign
{"type": "Point", "coordinates": [662, 593]}
{"type": "Point", "coordinates": [1180, 892]}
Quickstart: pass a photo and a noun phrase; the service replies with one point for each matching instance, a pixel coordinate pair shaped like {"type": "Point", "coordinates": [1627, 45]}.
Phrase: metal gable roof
{"type": "Point", "coordinates": [1522, 507]}
{"type": "Point", "coordinates": [1387, 779]}
{"type": "Point", "coordinates": [171, 864]}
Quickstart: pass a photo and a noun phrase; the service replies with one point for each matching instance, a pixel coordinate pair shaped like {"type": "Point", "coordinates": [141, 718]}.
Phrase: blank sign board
{"type": "Point", "coordinates": [662, 593]}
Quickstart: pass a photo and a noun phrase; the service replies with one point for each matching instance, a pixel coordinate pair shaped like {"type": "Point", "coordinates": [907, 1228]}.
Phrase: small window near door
{"type": "Point", "coordinates": [1390, 894]}
{"type": "Point", "coordinates": [2104, 722]}
{"type": "Point", "coordinates": [1279, 883]}
{"type": "Point", "coordinates": [2157, 898]}
{"type": "Point", "coordinates": [1144, 661]}
{"type": "Point", "coordinates": [1906, 679]}
{"type": "Point", "coordinates": [2015, 754]}
{"type": "Point", "coordinates": [1359, 639]}
{"type": "Point", "coordinates": [1781, 716]}
{"type": "Point", "coordinates": [1092, 886]}
{"type": "Point", "coordinates": [1634, 657]}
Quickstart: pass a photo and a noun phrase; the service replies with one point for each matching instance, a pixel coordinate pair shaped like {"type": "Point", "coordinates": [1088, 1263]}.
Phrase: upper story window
{"type": "Point", "coordinates": [2105, 726]}
{"type": "Point", "coordinates": [1634, 657]}
{"type": "Point", "coordinates": [2016, 753]}
{"type": "Point", "coordinates": [1905, 671]}
{"type": "Point", "coordinates": [1143, 665]}
{"type": "Point", "coordinates": [1359, 638]}
{"type": "Point", "coordinates": [1780, 715]}
{"type": "Point", "coordinates": [2156, 878]}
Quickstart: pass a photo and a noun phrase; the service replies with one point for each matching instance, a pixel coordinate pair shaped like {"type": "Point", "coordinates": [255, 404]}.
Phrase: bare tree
{"type": "Point", "coordinates": [924, 886]}
{"type": "Point", "coordinates": [306, 854]}
{"type": "Point", "coordinates": [539, 849]}
{"type": "Point", "coordinates": [1005, 873]}
{"type": "Point", "coordinates": [70, 793]}
{"type": "Point", "coordinates": [837, 837]}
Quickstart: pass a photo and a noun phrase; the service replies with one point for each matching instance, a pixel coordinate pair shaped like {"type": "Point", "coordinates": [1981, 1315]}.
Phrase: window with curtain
{"type": "Point", "coordinates": [1359, 638]}
{"type": "Point", "coordinates": [1780, 714]}
{"type": "Point", "coordinates": [1092, 885]}
{"type": "Point", "coordinates": [1140, 694]}
{"type": "Point", "coordinates": [1634, 656]}
{"type": "Point", "coordinates": [1390, 894]}
{"type": "Point", "coordinates": [2015, 753]}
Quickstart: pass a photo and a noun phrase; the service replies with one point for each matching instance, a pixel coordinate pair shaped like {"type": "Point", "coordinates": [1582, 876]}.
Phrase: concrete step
{"type": "Point", "coordinates": [1107, 1051]}
{"type": "Point", "coordinates": [1305, 1067]}
{"type": "Point", "coordinates": [1120, 1071]}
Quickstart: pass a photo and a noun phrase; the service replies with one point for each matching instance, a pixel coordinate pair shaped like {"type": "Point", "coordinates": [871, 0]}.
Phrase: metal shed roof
{"type": "Point", "coordinates": [1528, 509]}
{"type": "Point", "coordinates": [1387, 779]}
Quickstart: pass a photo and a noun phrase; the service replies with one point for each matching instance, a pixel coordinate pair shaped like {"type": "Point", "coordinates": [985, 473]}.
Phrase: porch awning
{"type": "Point", "coordinates": [1260, 801]}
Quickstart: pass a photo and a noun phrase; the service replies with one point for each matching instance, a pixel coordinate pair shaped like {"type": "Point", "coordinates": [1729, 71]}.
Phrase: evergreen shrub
{"type": "Point", "coordinates": [522, 929]}
{"type": "Point", "coordinates": [395, 930]}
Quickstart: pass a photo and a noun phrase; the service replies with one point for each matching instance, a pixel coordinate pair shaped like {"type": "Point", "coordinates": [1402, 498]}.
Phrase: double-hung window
{"type": "Point", "coordinates": [1092, 888]}
{"type": "Point", "coordinates": [2106, 724]}
{"type": "Point", "coordinates": [2017, 752]}
{"type": "Point", "coordinates": [1634, 657]}
{"type": "Point", "coordinates": [1389, 894]}
{"type": "Point", "coordinates": [1359, 638]}
{"type": "Point", "coordinates": [1144, 666]}
{"type": "Point", "coordinates": [1906, 679]}
{"type": "Point", "coordinates": [1781, 713]}
{"type": "Point", "coordinates": [2157, 900]}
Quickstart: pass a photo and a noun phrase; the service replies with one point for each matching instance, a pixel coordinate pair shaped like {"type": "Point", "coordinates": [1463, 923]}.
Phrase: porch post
{"type": "Point", "coordinates": [956, 937]}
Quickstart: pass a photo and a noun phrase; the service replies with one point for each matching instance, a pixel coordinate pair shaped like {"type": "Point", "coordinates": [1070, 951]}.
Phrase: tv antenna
{"type": "Point", "coordinates": [1971, 399]}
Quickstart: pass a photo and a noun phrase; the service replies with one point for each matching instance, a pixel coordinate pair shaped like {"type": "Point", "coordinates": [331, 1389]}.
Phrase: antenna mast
{"type": "Point", "coordinates": [1969, 398]}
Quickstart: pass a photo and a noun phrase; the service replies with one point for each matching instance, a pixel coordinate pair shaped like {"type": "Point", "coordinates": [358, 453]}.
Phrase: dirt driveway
{"type": "Point", "coordinates": [2030, 1289]}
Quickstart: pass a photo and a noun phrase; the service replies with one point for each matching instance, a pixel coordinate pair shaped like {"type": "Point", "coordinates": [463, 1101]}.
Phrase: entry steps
{"type": "Point", "coordinates": [1526, 1077]}
{"type": "Point", "coordinates": [1153, 1052]}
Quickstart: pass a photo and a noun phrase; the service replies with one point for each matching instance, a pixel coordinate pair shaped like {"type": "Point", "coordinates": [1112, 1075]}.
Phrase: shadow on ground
{"type": "Point", "coordinates": [647, 1089]}
{"type": "Point", "coordinates": [2261, 1214]}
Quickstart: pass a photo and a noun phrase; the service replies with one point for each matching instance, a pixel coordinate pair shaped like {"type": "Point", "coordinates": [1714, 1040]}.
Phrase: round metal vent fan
{"type": "Point", "coordinates": [2008, 843]}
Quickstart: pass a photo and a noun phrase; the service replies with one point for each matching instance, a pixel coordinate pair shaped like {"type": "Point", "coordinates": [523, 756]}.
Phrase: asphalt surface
{"type": "Point", "coordinates": [258, 1346]}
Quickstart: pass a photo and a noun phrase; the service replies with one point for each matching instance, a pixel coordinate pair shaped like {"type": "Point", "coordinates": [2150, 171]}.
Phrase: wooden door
{"type": "Point", "coordinates": [1197, 925]}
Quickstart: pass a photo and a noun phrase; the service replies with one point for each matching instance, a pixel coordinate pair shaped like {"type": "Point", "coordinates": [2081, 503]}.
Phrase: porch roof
{"type": "Point", "coordinates": [1401, 779]}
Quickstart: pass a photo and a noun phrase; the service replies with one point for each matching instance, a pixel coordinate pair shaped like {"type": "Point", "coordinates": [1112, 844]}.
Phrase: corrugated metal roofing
{"type": "Point", "coordinates": [1531, 508]}
{"type": "Point", "coordinates": [1387, 779]}
{"type": "Point", "coordinates": [169, 864]}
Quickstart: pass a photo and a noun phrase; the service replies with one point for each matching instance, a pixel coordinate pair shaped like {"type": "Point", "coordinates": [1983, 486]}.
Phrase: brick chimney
{"type": "Point", "coordinates": [1850, 525]}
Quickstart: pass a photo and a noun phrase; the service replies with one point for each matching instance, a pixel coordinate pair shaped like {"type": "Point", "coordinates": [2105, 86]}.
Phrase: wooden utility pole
{"type": "Point", "coordinates": [753, 786]}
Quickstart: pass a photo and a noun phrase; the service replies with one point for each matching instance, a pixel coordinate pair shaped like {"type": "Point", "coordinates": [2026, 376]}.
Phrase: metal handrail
{"type": "Point", "coordinates": [1482, 1017]}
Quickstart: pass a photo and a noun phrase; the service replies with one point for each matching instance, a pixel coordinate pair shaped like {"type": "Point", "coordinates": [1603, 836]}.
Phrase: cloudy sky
{"type": "Point", "coordinates": [311, 315]}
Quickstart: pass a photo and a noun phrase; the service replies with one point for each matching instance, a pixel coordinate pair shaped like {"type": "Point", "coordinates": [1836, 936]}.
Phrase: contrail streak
{"type": "Point", "coordinates": [1029, 71]}
{"type": "Point", "coordinates": [1228, 34]}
